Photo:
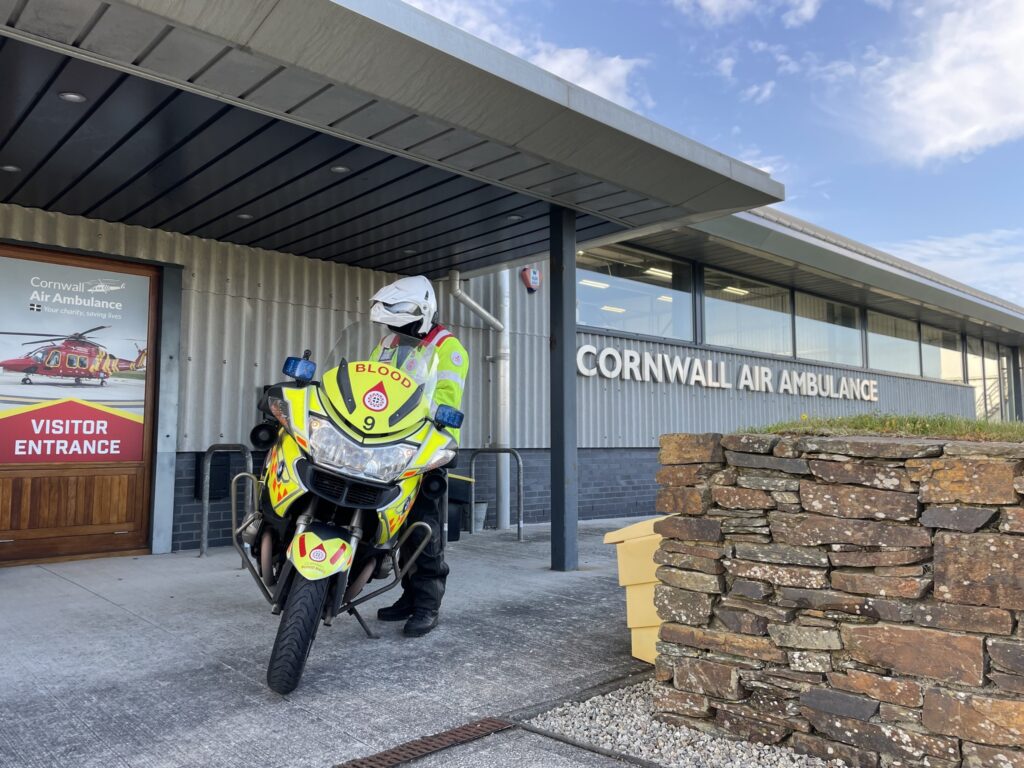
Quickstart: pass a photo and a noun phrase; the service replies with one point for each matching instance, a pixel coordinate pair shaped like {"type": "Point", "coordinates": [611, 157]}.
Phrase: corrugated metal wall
{"type": "Point", "coordinates": [244, 310]}
{"type": "Point", "coordinates": [615, 412]}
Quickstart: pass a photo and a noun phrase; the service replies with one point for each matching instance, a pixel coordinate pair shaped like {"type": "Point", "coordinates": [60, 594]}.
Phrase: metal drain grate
{"type": "Point", "coordinates": [413, 750]}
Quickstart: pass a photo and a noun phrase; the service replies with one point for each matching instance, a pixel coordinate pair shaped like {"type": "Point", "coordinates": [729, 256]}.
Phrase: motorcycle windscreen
{"type": "Point", "coordinates": [320, 551]}
{"type": "Point", "coordinates": [376, 398]}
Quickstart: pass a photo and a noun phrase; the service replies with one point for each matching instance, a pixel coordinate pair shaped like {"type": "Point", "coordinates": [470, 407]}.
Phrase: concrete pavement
{"type": "Point", "coordinates": [159, 661]}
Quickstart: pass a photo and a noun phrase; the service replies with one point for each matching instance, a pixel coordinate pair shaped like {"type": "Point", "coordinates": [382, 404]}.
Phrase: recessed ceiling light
{"type": "Point", "coordinates": [72, 96]}
{"type": "Point", "coordinates": [409, 251]}
{"type": "Point", "coordinates": [515, 217]}
{"type": "Point", "coordinates": [340, 169]}
{"type": "Point", "coordinates": [245, 216]}
{"type": "Point", "coordinates": [10, 169]}
{"type": "Point", "coordinates": [735, 291]}
{"type": "Point", "coordinates": [616, 310]}
{"type": "Point", "coordinates": [593, 284]}
{"type": "Point", "coordinates": [579, 253]}
{"type": "Point", "coordinates": [655, 272]}
{"type": "Point", "coordinates": [667, 299]}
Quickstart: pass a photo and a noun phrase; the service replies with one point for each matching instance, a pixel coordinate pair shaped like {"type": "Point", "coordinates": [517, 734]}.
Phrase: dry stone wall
{"type": "Point", "coordinates": [854, 598]}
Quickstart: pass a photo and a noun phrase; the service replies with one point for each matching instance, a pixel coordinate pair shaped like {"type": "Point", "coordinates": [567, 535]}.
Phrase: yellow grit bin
{"type": "Point", "coordinates": [634, 548]}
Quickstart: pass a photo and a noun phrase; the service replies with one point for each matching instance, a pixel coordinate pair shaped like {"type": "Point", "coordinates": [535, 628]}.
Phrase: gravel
{"type": "Point", "coordinates": [623, 722]}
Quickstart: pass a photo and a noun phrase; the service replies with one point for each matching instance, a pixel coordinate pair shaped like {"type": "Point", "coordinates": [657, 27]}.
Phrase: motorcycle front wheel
{"type": "Point", "coordinates": [300, 620]}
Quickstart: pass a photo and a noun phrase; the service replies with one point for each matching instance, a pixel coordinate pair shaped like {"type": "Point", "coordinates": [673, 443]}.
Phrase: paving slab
{"type": "Point", "coordinates": [160, 661]}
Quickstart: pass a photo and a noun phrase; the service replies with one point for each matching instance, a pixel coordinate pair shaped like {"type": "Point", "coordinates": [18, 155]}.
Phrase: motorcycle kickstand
{"type": "Point", "coordinates": [369, 632]}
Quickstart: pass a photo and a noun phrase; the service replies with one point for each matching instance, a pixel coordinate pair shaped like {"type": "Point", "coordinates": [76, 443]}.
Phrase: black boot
{"type": "Point", "coordinates": [400, 611]}
{"type": "Point", "coordinates": [422, 622]}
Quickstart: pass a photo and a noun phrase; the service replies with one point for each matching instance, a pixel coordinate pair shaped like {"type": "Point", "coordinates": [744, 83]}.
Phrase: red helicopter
{"type": "Point", "coordinates": [75, 356]}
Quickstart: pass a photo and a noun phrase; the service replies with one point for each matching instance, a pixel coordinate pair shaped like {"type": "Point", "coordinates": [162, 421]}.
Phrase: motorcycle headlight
{"type": "Point", "coordinates": [330, 446]}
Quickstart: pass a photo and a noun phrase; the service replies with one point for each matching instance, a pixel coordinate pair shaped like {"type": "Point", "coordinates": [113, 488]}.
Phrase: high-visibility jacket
{"type": "Point", "coordinates": [452, 366]}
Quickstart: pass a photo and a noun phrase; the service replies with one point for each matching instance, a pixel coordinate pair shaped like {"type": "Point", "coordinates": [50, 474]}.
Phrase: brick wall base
{"type": "Point", "coordinates": [613, 483]}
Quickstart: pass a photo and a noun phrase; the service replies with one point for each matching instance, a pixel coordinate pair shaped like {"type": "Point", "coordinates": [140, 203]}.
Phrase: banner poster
{"type": "Point", "coordinates": [72, 363]}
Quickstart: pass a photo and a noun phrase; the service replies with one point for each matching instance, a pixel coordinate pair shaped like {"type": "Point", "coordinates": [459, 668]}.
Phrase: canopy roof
{"type": "Point", "coordinates": [363, 132]}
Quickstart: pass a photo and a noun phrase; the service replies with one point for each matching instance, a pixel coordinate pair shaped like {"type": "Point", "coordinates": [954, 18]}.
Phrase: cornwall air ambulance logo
{"type": "Point", "coordinates": [376, 399]}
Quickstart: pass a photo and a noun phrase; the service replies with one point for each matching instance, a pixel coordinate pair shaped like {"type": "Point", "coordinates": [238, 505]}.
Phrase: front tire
{"type": "Point", "coordinates": [299, 623]}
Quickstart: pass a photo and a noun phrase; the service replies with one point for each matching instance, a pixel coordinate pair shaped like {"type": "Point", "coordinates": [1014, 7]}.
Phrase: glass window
{"type": "Point", "coordinates": [747, 314]}
{"type": "Point", "coordinates": [976, 375]}
{"type": "Point", "coordinates": [53, 359]}
{"type": "Point", "coordinates": [942, 354]}
{"type": "Point", "coordinates": [993, 391]}
{"type": "Point", "coordinates": [828, 331]}
{"type": "Point", "coordinates": [636, 294]}
{"type": "Point", "coordinates": [893, 344]}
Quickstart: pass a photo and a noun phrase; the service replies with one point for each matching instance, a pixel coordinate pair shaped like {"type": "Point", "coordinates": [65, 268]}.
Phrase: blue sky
{"type": "Point", "coordinates": [899, 123]}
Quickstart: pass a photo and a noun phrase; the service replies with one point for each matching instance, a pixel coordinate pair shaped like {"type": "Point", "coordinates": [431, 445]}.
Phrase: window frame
{"type": "Point", "coordinates": [860, 328]}
{"type": "Point", "coordinates": [693, 294]}
{"type": "Point", "coordinates": [792, 313]}
{"type": "Point", "coordinates": [699, 326]}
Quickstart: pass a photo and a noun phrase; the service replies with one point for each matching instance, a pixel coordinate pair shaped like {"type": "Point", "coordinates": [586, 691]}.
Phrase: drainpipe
{"type": "Point", "coordinates": [503, 431]}
{"type": "Point", "coordinates": [503, 427]}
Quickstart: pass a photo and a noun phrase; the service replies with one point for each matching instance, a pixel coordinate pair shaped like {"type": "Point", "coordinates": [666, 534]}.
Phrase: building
{"type": "Point", "coordinates": [192, 191]}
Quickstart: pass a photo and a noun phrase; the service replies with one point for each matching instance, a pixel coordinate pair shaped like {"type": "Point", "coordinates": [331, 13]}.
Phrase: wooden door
{"type": "Point", "coordinates": [61, 503]}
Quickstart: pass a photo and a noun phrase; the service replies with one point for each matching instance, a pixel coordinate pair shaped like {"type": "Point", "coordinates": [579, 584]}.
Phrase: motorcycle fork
{"type": "Point", "coordinates": [350, 606]}
{"type": "Point", "coordinates": [284, 581]}
{"type": "Point", "coordinates": [339, 583]}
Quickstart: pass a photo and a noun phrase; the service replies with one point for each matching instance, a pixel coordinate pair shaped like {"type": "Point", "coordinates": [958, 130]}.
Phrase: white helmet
{"type": "Point", "coordinates": [406, 301]}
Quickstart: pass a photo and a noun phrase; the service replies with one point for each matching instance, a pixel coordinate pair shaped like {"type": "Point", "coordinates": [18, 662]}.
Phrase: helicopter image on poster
{"type": "Point", "coordinates": [71, 356]}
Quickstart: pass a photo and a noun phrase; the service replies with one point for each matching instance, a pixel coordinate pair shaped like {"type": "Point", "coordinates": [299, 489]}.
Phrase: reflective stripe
{"type": "Point", "coordinates": [451, 376]}
{"type": "Point", "coordinates": [440, 337]}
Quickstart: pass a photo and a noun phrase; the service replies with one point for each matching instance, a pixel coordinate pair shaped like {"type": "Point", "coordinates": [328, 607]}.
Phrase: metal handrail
{"type": "Point", "coordinates": [204, 531]}
{"type": "Point", "coordinates": [519, 495]}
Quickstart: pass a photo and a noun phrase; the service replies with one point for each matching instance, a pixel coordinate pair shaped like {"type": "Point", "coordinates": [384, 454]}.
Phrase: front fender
{"type": "Point", "coordinates": [321, 551]}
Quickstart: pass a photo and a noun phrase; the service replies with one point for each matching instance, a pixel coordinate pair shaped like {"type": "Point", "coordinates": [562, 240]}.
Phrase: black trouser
{"type": "Point", "coordinates": [424, 584]}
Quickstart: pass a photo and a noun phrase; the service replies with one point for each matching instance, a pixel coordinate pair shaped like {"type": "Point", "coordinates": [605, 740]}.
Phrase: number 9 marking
{"type": "Point", "coordinates": [369, 422]}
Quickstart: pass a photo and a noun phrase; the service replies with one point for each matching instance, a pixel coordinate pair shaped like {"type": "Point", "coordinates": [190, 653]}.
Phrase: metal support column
{"type": "Point", "coordinates": [1016, 361]}
{"type": "Point", "coordinates": [564, 466]}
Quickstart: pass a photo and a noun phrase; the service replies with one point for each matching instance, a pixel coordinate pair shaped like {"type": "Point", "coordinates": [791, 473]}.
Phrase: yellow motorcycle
{"type": "Point", "coordinates": [347, 457]}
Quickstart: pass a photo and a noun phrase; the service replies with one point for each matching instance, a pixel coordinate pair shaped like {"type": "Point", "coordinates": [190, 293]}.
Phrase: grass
{"type": "Point", "coordinates": [941, 427]}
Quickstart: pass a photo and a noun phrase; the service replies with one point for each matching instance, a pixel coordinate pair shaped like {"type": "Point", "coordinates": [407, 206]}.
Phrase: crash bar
{"type": "Point", "coordinates": [204, 529]}
{"type": "Point", "coordinates": [519, 486]}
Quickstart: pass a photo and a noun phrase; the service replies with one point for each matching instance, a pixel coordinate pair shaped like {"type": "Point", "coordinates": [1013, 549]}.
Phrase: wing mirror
{"type": "Point", "coordinates": [446, 416]}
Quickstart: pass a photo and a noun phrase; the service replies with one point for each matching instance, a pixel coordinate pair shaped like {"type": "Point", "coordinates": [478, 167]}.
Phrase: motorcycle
{"type": "Point", "coordinates": [348, 455]}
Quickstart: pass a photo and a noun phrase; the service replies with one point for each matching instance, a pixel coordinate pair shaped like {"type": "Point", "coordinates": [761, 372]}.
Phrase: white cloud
{"type": "Point", "coordinates": [794, 13]}
{"type": "Point", "coordinates": [961, 91]}
{"type": "Point", "coordinates": [716, 12]}
{"type": "Point", "coordinates": [725, 66]}
{"type": "Point", "coordinates": [800, 12]}
{"type": "Point", "coordinates": [786, 64]}
{"type": "Point", "coordinates": [759, 94]}
{"type": "Point", "coordinates": [991, 261]}
{"type": "Point", "coordinates": [607, 76]}
{"type": "Point", "coordinates": [770, 164]}
{"type": "Point", "coordinates": [612, 77]}
{"type": "Point", "coordinates": [486, 19]}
